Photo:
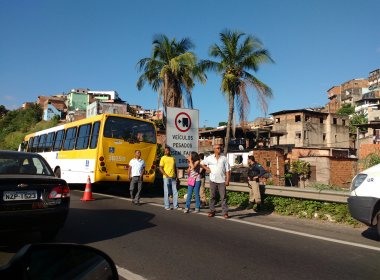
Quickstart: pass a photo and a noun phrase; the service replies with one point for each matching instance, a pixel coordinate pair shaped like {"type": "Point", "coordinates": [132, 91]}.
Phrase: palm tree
{"type": "Point", "coordinates": [171, 71]}
{"type": "Point", "coordinates": [235, 60]}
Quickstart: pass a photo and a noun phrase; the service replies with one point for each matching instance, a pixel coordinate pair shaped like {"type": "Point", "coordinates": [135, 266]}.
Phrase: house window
{"type": "Point", "coordinates": [277, 120]}
{"type": "Point", "coordinates": [298, 118]}
{"type": "Point", "coordinates": [343, 122]}
{"type": "Point", "coordinates": [324, 137]}
{"type": "Point", "coordinates": [238, 159]}
{"type": "Point", "coordinates": [335, 121]}
{"type": "Point", "coordinates": [304, 134]}
{"type": "Point", "coordinates": [320, 120]}
{"type": "Point", "coordinates": [298, 135]}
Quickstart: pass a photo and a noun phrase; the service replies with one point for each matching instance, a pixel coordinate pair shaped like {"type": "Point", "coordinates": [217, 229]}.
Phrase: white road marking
{"type": "Point", "coordinates": [129, 275]}
{"type": "Point", "coordinates": [308, 235]}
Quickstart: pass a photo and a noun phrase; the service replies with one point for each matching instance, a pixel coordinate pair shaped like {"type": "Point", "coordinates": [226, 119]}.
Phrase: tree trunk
{"type": "Point", "coordinates": [229, 122]}
{"type": "Point", "coordinates": [172, 92]}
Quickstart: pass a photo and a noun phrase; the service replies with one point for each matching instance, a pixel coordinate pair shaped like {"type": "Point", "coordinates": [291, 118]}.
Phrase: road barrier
{"type": "Point", "coordinates": [305, 193]}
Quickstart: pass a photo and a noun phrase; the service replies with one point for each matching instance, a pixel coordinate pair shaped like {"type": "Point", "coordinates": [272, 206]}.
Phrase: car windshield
{"type": "Point", "coordinates": [14, 163]}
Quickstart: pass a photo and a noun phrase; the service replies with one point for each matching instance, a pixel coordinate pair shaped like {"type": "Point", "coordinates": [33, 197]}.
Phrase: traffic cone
{"type": "Point", "coordinates": [87, 195]}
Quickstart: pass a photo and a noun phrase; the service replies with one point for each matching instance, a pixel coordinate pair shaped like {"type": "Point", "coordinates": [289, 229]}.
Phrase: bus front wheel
{"type": "Point", "coordinates": [57, 172]}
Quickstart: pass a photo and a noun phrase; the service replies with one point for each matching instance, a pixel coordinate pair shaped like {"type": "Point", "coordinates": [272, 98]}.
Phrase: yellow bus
{"type": "Point", "coordinates": [100, 146]}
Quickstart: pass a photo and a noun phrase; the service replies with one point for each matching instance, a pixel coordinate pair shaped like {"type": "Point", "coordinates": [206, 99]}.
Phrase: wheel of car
{"type": "Point", "coordinates": [57, 172]}
{"type": "Point", "coordinates": [49, 234]}
{"type": "Point", "coordinates": [378, 224]}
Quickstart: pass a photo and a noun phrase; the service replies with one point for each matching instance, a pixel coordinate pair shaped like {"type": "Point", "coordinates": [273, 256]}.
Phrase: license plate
{"type": "Point", "coordinates": [19, 195]}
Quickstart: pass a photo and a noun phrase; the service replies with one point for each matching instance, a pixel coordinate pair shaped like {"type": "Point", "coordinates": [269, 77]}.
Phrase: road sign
{"type": "Point", "coordinates": [182, 133]}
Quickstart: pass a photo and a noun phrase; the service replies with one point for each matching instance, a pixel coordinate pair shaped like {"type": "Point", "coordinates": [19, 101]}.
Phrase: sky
{"type": "Point", "coordinates": [49, 47]}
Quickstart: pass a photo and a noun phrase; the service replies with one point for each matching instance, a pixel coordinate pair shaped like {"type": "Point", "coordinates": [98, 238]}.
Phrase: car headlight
{"type": "Point", "coordinates": [358, 180]}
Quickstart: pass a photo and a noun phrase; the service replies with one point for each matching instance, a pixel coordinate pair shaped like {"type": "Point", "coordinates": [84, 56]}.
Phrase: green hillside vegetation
{"type": "Point", "coordinates": [15, 124]}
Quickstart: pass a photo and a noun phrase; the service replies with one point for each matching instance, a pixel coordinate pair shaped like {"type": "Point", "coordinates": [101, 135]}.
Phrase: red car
{"type": "Point", "coordinates": [31, 197]}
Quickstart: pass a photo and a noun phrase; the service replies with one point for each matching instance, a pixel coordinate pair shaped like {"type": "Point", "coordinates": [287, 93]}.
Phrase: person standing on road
{"type": "Point", "coordinates": [194, 174]}
{"type": "Point", "coordinates": [202, 189]}
{"type": "Point", "coordinates": [255, 172]}
{"type": "Point", "coordinates": [219, 168]}
{"type": "Point", "coordinates": [169, 171]}
{"type": "Point", "coordinates": [136, 173]}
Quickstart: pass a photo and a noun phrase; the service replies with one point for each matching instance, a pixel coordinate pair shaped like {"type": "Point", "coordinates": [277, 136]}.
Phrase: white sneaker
{"type": "Point", "coordinates": [178, 208]}
{"type": "Point", "coordinates": [197, 210]}
{"type": "Point", "coordinates": [168, 209]}
{"type": "Point", "coordinates": [186, 210]}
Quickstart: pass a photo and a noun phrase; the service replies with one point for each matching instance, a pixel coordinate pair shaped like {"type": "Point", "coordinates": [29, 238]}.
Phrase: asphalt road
{"type": "Point", "coordinates": [148, 242]}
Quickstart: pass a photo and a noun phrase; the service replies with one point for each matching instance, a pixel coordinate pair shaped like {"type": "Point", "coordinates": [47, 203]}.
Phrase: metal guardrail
{"type": "Point", "coordinates": [305, 193]}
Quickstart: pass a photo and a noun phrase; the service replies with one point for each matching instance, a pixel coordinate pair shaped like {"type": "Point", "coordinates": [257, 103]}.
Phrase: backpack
{"type": "Point", "coordinates": [266, 175]}
{"type": "Point", "coordinates": [252, 173]}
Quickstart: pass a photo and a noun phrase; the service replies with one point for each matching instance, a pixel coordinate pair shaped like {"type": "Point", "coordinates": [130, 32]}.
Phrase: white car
{"type": "Point", "coordinates": [364, 200]}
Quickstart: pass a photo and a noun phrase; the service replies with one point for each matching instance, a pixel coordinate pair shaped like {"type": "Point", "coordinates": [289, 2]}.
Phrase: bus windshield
{"type": "Point", "coordinates": [129, 130]}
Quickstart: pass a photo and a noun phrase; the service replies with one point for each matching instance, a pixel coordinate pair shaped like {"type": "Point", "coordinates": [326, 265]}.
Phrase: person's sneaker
{"type": "Point", "coordinates": [168, 208]}
{"type": "Point", "coordinates": [211, 214]}
{"type": "Point", "coordinates": [197, 210]}
{"type": "Point", "coordinates": [186, 210]}
{"type": "Point", "coordinates": [178, 208]}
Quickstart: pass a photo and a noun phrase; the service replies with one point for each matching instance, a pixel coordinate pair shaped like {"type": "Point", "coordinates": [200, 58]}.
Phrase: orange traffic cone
{"type": "Point", "coordinates": [87, 195]}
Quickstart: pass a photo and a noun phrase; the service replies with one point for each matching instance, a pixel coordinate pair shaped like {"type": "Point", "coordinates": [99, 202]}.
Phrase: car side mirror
{"type": "Point", "coordinates": [59, 261]}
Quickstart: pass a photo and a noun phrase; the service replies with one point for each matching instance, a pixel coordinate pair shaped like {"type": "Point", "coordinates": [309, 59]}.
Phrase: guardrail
{"type": "Point", "coordinates": [305, 193]}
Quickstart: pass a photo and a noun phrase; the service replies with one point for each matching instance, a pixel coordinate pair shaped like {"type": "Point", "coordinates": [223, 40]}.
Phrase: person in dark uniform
{"type": "Point", "coordinates": [255, 172]}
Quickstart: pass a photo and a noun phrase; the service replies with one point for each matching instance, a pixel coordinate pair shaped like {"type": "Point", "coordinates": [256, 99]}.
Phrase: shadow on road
{"type": "Point", "coordinates": [87, 222]}
{"type": "Point", "coordinates": [370, 233]}
{"type": "Point", "coordinates": [93, 225]}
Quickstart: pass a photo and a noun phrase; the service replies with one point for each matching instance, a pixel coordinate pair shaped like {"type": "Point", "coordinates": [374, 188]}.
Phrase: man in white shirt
{"type": "Point", "coordinates": [219, 168]}
{"type": "Point", "coordinates": [136, 172]}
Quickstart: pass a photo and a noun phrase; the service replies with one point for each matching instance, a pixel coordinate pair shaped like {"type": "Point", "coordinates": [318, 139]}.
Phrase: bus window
{"type": "Point", "coordinates": [69, 142]}
{"type": "Point", "coordinates": [94, 135]}
{"type": "Point", "coordinates": [83, 137]}
{"type": "Point", "coordinates": [49, 142]}
{"type": "Point", "coordinates": [58, 140]}
{"type": "Point", "coordinates": [41, 144]}
{"type": "Point", "coordinates": [30, 144]}
{"type": "Point", "coordinates": [35, 143]}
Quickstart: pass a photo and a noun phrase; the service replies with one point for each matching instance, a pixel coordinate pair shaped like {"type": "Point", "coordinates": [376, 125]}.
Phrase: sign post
{"type": "Point", "coordinates": [182, 133]}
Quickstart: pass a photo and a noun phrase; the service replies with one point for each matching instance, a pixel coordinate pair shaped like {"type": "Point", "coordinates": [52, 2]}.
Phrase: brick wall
{"type": "Point", "coordinates": [342, 171]}
{"type": "Point", "coordinates": [366, 149]}
{"type": "Point", "coordinates": [273, 160]}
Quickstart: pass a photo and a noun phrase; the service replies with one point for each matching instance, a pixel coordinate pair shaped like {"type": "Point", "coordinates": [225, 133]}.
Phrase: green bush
{"type": "Point", "coordinates": [14, 125]}
{"type": "Point", "coordinates": [182, 191]}
{"type": "Point", "coordinates": [239, 199]}
{"type": "Point", "coordinates": [332, 211]}
{"type": "Point", "coordinates": [371, 160]}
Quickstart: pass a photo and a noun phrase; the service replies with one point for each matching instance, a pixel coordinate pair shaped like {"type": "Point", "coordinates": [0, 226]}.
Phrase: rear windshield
{"type": "Point", "coordinates": [23, 163]}
{"type": "Point", "coordinates": [130, 130]}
